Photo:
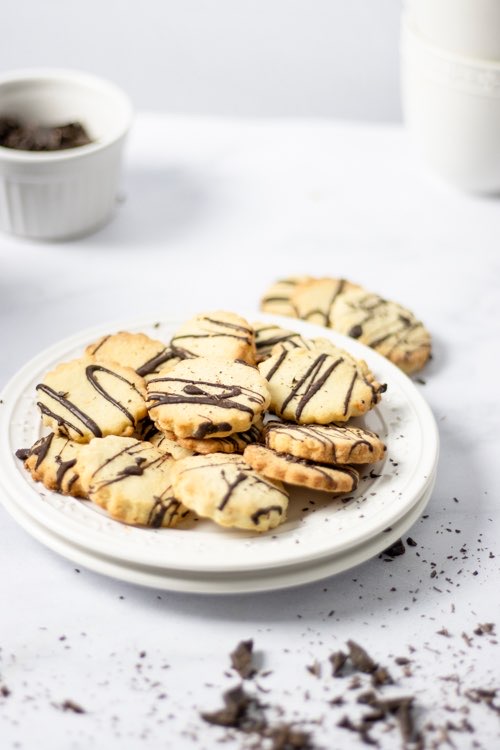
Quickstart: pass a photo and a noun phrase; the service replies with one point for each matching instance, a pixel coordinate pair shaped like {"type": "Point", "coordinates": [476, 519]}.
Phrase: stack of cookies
{"type": "Point", "coordinates": [348, 308]}
{"type": "Point", "coordinates": [215, 423]}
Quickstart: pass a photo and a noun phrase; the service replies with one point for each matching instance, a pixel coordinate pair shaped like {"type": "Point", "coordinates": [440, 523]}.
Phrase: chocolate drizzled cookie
{"type": "Point", "coordinates": [227, 490]}
{"type": "Point", "coordinates": [317, 387]}
{"type": "Point", "coordinates": [84, 399]}
{"type": "Point", "coordinates": [202, 398]}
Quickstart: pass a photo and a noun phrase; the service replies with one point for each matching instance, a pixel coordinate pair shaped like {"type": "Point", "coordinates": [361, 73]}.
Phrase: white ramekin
{"type": "Point", "coordinates": [62, 194]}
{"type": "Point", "coordinates": [451, 105]}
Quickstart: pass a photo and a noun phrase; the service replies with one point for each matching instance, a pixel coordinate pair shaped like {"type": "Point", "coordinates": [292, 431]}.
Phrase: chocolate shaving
{"type": "Point", "coordinates": [240, 711]}
{"type": "Point", "coordinates": [338, 659]}
{"type": "Point", "coordinates": [70, 705]}
{"type": "Point", "coordinates": [241, 660]}
{"type": "Point", "coordinates": [314, 669]}
{"type": "Point", "coordinates": [483, 695]}
{"type": "Point", "coordinates": [402, 661]}
{"type": "Point", "coordinates": [381, 676]}
{"type": "Point", "coordinates": [360, 658]}
{"type": "Point", "coordinates": [362, 729]}
{"type": "Point", "coordinates": [486, 627]}
{"type": "Point", "coordinates": [30, 137]}
{"type": "Point", "coordinates": [286, 737]}
{"type": "Point", "coordinates": [23, 453]}
{"type": "Point", "coordinates": [396, 549]}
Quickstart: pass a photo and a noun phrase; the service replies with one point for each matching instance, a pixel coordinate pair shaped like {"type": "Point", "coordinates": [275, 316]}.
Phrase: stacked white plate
{"type": "Point", "coordinates": [321, 537]}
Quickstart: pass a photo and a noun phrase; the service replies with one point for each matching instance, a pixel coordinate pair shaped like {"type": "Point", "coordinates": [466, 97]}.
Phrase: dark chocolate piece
{"type": "Point", "coordinates": [241, 659]}
{"type": "Point", "coordinates": [25, 136]}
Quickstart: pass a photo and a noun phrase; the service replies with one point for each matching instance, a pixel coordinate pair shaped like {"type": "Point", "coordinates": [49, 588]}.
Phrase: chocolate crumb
{"type": "Point", "coordinates": [361, 729]}
{"type": "Point", "coordinates": [4, 691]}
{"type": "Point", "coordinates": [338, 701]}
{"type": "Point", "coordinates": [69, 705]}
{"type": "Point", "coordinates": [236, 712]}
{"type": "Point", "coordinates": [29, 137]}
{"type": "Point", "coordinates": [486, 627]}
{"type": "Point", "coordinates": [360, 659]}
{"type": "Point", "coordinates": [241, 659]}
{"type": "Point", "coordinates": [396, 549]}
{"type": "Point", "coordinates": [445, 632]}
{"type": "Point", "coordinates": [338, 659]}
{"type": "Point", "coordinates": [287, 737]}
{"type": "Point", "coordinates": [411, 542]}
{"type": "Point", "coordinates": [368, 697]}
{"type": "Point", "coordinates": [381, 676]}
{"type": "Point", "coordinates": [402, 660]}
{"type": "Point", "coordinates": [314, 669]}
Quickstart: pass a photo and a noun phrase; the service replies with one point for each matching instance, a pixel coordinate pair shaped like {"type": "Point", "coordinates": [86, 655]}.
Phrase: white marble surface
{"type": "Point", "coordinates": [213, 212]}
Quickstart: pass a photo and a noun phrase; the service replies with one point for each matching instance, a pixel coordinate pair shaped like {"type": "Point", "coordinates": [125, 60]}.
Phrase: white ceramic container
{"type": "Point", "coordinates": [451, 105]}
{"type": "Point", "coordinates": [470, 28]}
{"type": "Point", "coordinates": [62, 194]}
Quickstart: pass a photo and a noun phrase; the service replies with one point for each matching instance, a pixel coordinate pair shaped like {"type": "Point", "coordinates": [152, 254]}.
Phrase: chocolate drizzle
{"type": "Point", "coordinates": [23, 453]}
{"type": "Point", "coordinates": [349, 392]}
{"type": "Point", "coordinates": [325, 435]}
{"type": "Point", "coordinates": [135, 469]}
{"type": "Point", "coordinates": [85, 419]}
{"type": "Point", "coordinates": [323, 469]}
{"type": "Point", "coordinates": [159, 359]}
{"type": "Point", "coordinates": [324, 311]}
{"type": "Point", "coordinates": [378, 324]}
{"type": "Point", "coordinates": [161, 507]}
{"type": "Point", "coordinates": [40, 450]}
{"type": "Point", "coordinates": [274, 369]}
{"type": "Point", "coordinates": [90, 371]}
{"type": "Point", "coordinates": [205, 429]}
{"type": "Point", "coordinates": [313, 386]}
{"type": "Point", "coordinates": [101, 343]}
{"type": "Point", "coordinates": [206, 393]}
{"type": "Point", "coordinates": [231, 486]}
{"type": "Point", "coordinates": [255, 517]}
{"type": "Point", "coordinates": [233, 331]}
{"type": "Point", "coordinates": [64, 466]}
{"type": "Point", "coordinates": [63, 423]}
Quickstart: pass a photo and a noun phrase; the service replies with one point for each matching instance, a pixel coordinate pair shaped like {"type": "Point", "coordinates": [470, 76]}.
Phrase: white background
{"type": "Point", "coordinates": [239, 57]}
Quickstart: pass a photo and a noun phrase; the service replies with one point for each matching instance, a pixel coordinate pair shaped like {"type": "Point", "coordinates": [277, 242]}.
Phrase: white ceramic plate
{"type": "Point", "coordinates": [222, 583]}
{"type": "Point", "coordinates": [327, 529]}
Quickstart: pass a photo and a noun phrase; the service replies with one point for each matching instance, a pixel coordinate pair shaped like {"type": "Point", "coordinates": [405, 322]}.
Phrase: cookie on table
{"type": "Point", "coordinates": [84, 399]}
{"type": "Point", "coordinates": [227, 490]}
{"type": "Point", "coordinates": [207, 398]}
{"type": "Point", "coordinates": [54, 461]}
{"type": "Point", "coordinates": [387, 327]}
{"type": "Point", "coordinates": [167, 443]}
{"type": "Point", "coordinates": [313, 387]}
{"type": "Point", "coordinates": [277, 298]}
{"type": "Point", "coordinates": [301, 472]}
{"type": "Point", "coordinates": [328, 444]}
{"type": "Point", "coordinates": [136, 350]}
{"type": "Point", "coordinates": [216, 334]}
{"type": "Point", "coordinates": [130, 479]}
{"type": "Point", "coordinates": [313, 300]}
{"type": "Point", "coordinates": [235, 443]}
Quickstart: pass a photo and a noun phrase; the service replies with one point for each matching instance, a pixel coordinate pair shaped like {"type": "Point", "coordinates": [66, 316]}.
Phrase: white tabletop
{"type": "Point", "coordinates": [213, 211]}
